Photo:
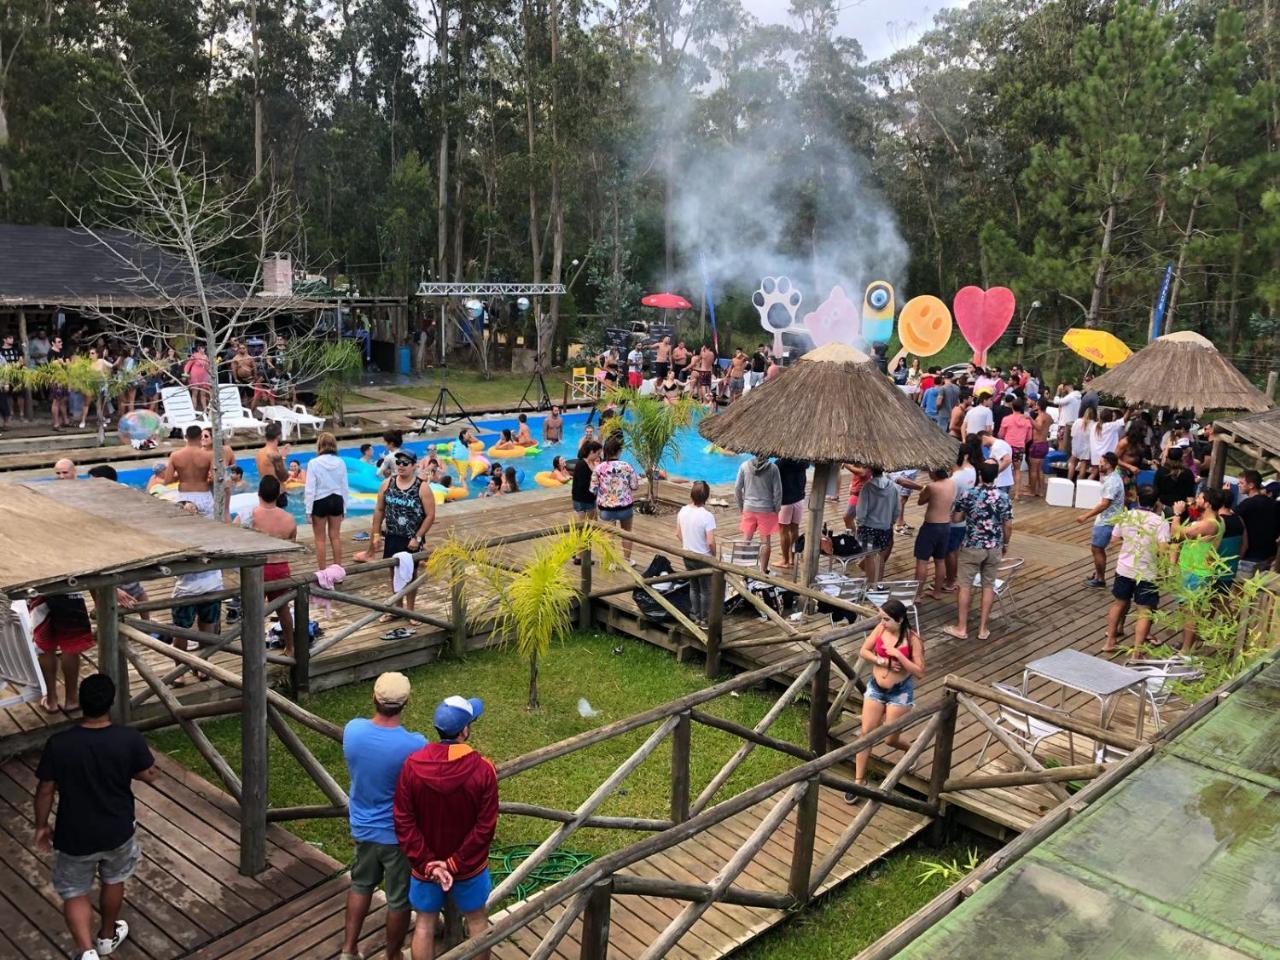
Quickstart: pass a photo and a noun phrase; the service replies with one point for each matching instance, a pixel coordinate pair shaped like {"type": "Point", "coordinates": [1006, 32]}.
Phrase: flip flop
{"type": "Point", "coordinates": [399, 633]}
{"type": "Point", "coordinates": [360, 537]}
{"type": "Point", "coordinates": [50, 709]}
{"type": "Point", "coordinates": [953, 632]}
{"type": "Point", "coordinates": [388, 617]}
{"type": "Point", "coordinates": [986, 638]}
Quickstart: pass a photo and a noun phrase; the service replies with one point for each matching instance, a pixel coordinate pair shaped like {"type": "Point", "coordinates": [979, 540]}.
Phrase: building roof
{"type": "Point", "coordinates": [1257, 435]}
{"type": "Point", "coordinates": [66, 266]}
{"type": "Point", "coordinates": [832, 405]}
{"type": "Point", "coordinates": [54, 531]}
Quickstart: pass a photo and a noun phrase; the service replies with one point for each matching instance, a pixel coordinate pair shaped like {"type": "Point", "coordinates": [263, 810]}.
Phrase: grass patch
{"type": "Point", "coordinates": [473, 390]}
{"type": "Point", "coordinates": [859, 912]}
{"type": "Point", "coordinates": [617, 684]}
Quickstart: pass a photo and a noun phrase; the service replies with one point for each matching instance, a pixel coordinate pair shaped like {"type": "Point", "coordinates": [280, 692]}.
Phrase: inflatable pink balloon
{"type": "Point", "coordinates": [983, 316]}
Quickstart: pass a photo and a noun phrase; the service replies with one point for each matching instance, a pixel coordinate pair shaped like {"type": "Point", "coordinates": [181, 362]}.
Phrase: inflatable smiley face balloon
{"type": "Point", "coordinates": [877, 312]}
{"type": "Point", "coordinates": [924, 326]}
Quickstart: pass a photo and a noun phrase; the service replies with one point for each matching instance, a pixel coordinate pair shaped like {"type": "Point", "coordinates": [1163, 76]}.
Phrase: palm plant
{"type": "Point", "coordinates": [649, 428]}
{"type": "Point", "coordinates": [532, 605]}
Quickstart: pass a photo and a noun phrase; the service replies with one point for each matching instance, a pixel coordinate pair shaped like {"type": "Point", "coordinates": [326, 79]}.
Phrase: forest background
{"type": "Point", "coordinates": [1070, 149]}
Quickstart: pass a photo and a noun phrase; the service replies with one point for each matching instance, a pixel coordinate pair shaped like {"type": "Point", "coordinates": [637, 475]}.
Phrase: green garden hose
{"type": "Point", "coordinates": [563, 863]}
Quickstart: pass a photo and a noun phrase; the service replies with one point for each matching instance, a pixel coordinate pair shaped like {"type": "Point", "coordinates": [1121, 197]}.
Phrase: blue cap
{"type": "Point", "coordinates": [454, 713]}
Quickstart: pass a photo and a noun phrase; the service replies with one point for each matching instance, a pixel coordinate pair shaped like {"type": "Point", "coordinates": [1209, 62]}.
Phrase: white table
{"type": "Point", "coordinates": [1101, 679]}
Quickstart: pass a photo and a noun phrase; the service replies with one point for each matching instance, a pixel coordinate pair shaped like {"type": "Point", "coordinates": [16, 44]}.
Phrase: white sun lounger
{"type": "Point", "coordinates": [19, 668]}
{"type": "Point", "coordinates": [234, 415]}
{"type": "Point", "coordinates": [292, 417]}
{"type": "Point", "coordinates": [179, 410]}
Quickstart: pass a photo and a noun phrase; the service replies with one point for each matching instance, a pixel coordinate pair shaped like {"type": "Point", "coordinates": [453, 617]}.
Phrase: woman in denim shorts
{"type": "Point", "coordinates": [896, 653]}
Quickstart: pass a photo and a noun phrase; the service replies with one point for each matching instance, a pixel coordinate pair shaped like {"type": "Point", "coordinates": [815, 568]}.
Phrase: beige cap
{"type": "Point", "coordinates": [391, 689]}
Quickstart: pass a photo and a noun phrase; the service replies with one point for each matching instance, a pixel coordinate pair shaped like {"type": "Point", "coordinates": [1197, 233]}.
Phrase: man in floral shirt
{"type": "Point", "coordinates": [988, 527]}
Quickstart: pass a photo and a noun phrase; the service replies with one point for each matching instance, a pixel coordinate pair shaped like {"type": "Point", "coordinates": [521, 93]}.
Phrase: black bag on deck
{"type": "Point", "coordinates": [675, 592]}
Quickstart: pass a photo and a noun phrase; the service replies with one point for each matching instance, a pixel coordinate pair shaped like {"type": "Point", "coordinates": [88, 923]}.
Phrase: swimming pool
{"type": "Point", "coordinates": [695, 460]}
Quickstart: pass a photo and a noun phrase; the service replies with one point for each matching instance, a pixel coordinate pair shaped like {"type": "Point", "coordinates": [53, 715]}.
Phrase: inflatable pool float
{"type": "Point", "coordinates": [716, 448]}
{"type": "Point", "coordinates": [362, 477]}
{"type": "Point", "coordinates": [546, 478]}
{"type": "Point", "coordinates": [512, 452]}
{"type": "Point", "coordinates": [477, 465]}
{"type": "Point", "coordinates": [294, 484]}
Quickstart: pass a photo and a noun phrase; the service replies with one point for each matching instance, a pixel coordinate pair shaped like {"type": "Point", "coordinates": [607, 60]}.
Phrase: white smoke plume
{"type": "Point", "coordinates": [782, 200]}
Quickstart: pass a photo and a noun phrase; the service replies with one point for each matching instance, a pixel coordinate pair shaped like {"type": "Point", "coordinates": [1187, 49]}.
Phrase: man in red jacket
{"type": "Point", "coordinates": [446, 810]}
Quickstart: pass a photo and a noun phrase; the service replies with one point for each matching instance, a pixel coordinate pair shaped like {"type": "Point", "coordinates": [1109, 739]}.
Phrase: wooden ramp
{"type": "Point", "coordinates": [187, 889]}
{"type": "Point", "coordinates": [309, 925]}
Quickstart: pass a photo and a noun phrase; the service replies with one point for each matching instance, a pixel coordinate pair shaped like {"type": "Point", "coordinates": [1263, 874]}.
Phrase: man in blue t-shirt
{"type": "Point", "coordinates": [929, 401]}
{"type": "Point", "coordinates": [375, 749]}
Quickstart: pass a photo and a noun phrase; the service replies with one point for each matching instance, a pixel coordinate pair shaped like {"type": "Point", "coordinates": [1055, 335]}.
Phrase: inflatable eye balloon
{"type": "Point", "coordinates": [983, 316]}
{"type": "Point", "coordinates": [924, 326]}
{"type": "Point", "coordinates": [877, 312]}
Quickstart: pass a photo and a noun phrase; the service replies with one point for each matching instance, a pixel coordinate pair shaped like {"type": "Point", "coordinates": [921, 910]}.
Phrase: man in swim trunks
{"type": "Point", "coordinates": [933, 539]}
{"type": "Point", "coordinates": [191, 468]}
{"type": "Point", "coordinates": [662, 359]}
{"type": "Point", "coordinates": [680, 361]}
{"type": "Point", "coordinates": [268, 518]}
{"type": "Point", "coordinates": [270, 460]}
{"type": "Point", "coordinates": [553, 426]}
{"type": "Point", "coordinates": [1038, 449]}
{"type": "Point", "coordinates": [737, 374]}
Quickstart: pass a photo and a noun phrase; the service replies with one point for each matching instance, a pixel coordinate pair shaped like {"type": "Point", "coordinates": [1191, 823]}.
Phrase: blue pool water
{"type": "Point", "coordinates": [694, 462]}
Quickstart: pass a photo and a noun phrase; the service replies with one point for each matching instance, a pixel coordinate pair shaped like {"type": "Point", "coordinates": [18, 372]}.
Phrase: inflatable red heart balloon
{"type": "Point", "coordinates": [983, 316]}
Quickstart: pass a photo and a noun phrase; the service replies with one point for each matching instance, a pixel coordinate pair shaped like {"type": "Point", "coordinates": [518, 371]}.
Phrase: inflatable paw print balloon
{"type": "Point", "coordinates": [776, 301]}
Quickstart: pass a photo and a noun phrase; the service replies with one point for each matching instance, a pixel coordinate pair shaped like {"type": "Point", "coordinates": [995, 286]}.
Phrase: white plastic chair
{"type": "Point", "coordinates": [1029, 731]}
{"type": "Point", "coordinates": [234, 415]}
{"type": "Point", "coordinates": [744, 553]}
{"type": "Point", "coordinates": [1160, 679]}
{"type": "Point", "coordinates": [1004, 583]}
{"type": "Point", "coordinates": [851, 589]}
{"type": "Point", "coordinates": [904, 591]}
{"type": "Point", "coordinates": [291, 418]}
{"type": "Point", "coordinates": [19, 667]}
{"type": "Point", "coordinates": [178, 410]}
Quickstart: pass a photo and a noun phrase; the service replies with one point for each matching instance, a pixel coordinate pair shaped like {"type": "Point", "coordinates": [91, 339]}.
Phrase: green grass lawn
{"type": "Point", "coordinates": [473, 390]}
{"type": "Point", "coordinates": [617, 685]}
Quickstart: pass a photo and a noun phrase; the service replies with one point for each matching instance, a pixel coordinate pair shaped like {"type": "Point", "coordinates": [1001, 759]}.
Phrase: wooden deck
{"type": "Point", "coordinates": [310, 924]}
{"type": "Point", "coordinates": [1051, 610]}
{"type": "Point", "coordinates": [187, 890]}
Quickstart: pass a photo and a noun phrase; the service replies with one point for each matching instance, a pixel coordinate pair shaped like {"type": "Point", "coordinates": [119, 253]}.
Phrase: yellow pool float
{"type": "Point", "coordinates": [547, 478]}
{"type": "Point", "coordinates": [510, 453]}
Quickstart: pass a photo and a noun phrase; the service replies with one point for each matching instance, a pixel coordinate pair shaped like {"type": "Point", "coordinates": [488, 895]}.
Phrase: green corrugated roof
{"type": "Point", "coordinates": [1180, 860]}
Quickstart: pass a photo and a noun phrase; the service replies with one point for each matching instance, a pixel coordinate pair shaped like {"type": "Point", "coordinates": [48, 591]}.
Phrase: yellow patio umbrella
{"type": "Point", "coordinates": [1098, 346]}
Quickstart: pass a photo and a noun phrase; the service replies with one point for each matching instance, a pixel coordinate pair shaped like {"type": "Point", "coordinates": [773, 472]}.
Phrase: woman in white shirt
{"type": "Point", "coordinates": [1103, 438]}
{"type": "Point", "coordinates": [325, 494]}
{"type": "Point", "coordinates": [1081, 427]}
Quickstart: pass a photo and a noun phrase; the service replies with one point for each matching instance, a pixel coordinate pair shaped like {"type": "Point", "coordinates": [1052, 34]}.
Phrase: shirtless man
{"type": "Point", "coordinates": [706, 363]}
{"type": "Point", "coordinates": [1038, 448]}
{"type": "Point", "coordinates": [662, 359]}
{"type": "Point", "coordinates": [957, 416]}
{"type": "Point", "coordinates": [680, 361]}
{"type": "Point", "coordinates": [270, 459]}
{"type": "Point", "coordinates": [268, 518]}
{"type": "Point", "coordinates": [242, 366]}
{"type": "Point", "coordinates": [937, 497]}
{"type": "Point", "coordinates": [553, 426]}
{"type": "Point", "coordinates": [737, 374]}
{"type": "Point", "coordinates": [191, 468]}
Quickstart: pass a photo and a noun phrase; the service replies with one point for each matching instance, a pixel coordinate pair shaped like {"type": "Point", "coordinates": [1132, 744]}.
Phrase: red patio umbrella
{"type": "Point", "coordinates": [667, 301]}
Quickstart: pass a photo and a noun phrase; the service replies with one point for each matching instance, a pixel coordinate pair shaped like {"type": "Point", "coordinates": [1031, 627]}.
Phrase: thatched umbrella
{"type": "Point", "coordinates": [831, 406]}
{"type": "Point", "coordinates": [1181, 370]}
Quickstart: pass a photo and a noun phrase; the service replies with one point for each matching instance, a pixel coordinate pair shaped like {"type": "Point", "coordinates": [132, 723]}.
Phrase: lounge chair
{"type": "Point", "coordinates": [291, 417]}
{"type": "Point", "coordinates": [179, 410]}
{"type": "Point", "coordinates": [234, 415]}
{"type": "Point", "coordinates": [19, 667]}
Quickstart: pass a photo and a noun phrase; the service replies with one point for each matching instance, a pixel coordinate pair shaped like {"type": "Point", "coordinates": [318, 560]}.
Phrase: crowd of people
{"type": "Point", "coordinates": [675, 370]}
{"type": "Point", "coordinates": [114, 377]}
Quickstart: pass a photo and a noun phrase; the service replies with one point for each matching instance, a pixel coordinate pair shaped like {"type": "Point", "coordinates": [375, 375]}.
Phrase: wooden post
{"type": "Point", "coordinates": [24, 347]}
{"type": "Point", "coordinates": [1217, 463]}
{"type": "Point", "coordinates": [455, 931]}
{"type": "Point", "coordinates": [807, 814]}
{"type": "Point", "coordinates": [106, 608]}
{"type": "Point", "coordinates": [585, 619]}
{"type": "Point", "coordinates": [1271, 385]}
{"type": "Point", "coordinates": [715, 623]}
{"type": "Point", "coordinates": [941, 766]}
{"type": "Point", "coordinates": [300, 672]}
{"type": "Point", "coordinates": [595, 922]}
{"type": "Point", "coordinates": [253, 725]}
{"type": "Point", "coordinates": [817, 503]}
{"type": "Point", "coordinates": [680, 745]}
{"type": "Point", "coordinates": [458, 616]}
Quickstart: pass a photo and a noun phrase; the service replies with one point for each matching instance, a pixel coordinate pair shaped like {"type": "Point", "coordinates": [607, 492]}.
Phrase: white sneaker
{"type": "Point", "coordinates": [89, 955]}
{"type": "Point", "coordinates": [108, 947]}
{"type": "Point", "coordinates": [192, 645]}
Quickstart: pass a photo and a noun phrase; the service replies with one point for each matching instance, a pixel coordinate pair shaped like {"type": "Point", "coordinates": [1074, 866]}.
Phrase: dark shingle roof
{"type": "Point", "coordinates": [66, 266]}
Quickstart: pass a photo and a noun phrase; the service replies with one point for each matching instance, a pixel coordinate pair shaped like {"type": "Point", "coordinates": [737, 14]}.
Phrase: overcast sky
{"type": "Point", "coordinates": [881, 26]}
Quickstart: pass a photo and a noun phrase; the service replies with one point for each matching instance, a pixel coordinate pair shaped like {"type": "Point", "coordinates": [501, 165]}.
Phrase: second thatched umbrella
{"type": "Point", "coordinates": [831, 406]}
{"type": "Point", "coordinates": [1182, 370]}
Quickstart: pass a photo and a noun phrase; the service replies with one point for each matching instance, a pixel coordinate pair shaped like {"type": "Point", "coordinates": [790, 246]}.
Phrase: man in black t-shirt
{"type": "Point", "coordinates": [91, 767]}
{"type": "Point", "coordinates": [793, 474]}
{"type": "Point", "coordinates": [1261, 516]}
{"type": "Point", "coordinates": [1174, 482]}
{"type": "Point", "coordinates": [759, 364]}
